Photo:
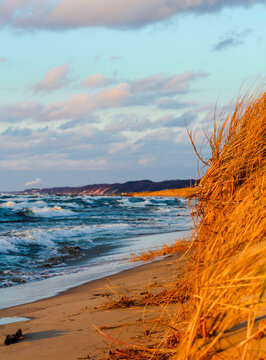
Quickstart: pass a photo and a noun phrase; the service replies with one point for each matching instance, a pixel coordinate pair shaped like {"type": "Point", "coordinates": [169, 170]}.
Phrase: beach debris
{"type": "Point", "coordinates": [134, 347]}
{"type": "Point", "coordinates": [11, 339]}
{"type": "Point", "coordinates": [174, 295]}
{"type": "Point", "coordinates": [174, 338]}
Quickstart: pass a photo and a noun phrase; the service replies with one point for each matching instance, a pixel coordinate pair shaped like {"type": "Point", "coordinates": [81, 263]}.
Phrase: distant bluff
{"type": "Point", "coordinates": [115, 189]}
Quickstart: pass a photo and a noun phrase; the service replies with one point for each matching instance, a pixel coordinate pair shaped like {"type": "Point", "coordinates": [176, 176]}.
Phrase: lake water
{"type": "Point", "coordinates": [43, 237]}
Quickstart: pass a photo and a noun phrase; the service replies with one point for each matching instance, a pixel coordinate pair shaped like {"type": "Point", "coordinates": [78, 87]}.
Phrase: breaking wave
{"type": "Point", "coordinates": [43, 236]}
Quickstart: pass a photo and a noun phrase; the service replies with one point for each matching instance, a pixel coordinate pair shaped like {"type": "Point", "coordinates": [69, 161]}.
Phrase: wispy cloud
{"type": "Point", "coordinates": [132, 93]}
{"type": "Point", "coordinates": [17, 132]}
{"type": "Point", "coordinates": [22, 111]}
{"type": "Point", "coordinates": [69, 14]}
{"type": "Point", "coordinates": [170, 103]}
{"type": "Point", "coordinates": [55, 78]}
{"type": "Point", "coordinates": [96, 81]}
{"type": "Point", "coordinates": [33, 182]}
{"type": "Point", "coordinates": [231, 40]}
{"type": "Point", "coordinates": [129, 122]}
{"type": "Point", "coordinates": [183, 120]}
{"type": "Point", "coordinates": [146, 161]}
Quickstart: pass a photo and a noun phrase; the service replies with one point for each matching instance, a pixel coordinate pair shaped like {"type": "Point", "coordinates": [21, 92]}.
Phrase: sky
{"type": "Point", "coordinates": [104, 91]}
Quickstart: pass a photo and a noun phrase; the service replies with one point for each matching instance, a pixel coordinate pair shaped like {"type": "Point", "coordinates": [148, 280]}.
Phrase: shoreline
{"type": "Point", "coordinates": [61, 327]}
{"type": "Point", "coordinates": [39, 290]}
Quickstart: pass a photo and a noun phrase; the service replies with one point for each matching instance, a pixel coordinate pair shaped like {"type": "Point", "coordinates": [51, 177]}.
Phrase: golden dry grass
{"type": "Point", "coordinates": [225, 275]}
{"type": "Point", "coordinates": [179, 246]}
{"type": "Point", "coordinates": [230, 259]}
{"type": "Point", "coordinates": [185, 192]}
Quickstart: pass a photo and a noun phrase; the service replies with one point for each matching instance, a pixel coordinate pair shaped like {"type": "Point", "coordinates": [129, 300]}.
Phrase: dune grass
{"type": "Point", "coordinates": [230, 257]}
{"type": "Point", "coordinates": [225, 270]}
{"type": "Point", "coordinates": [179, 246]}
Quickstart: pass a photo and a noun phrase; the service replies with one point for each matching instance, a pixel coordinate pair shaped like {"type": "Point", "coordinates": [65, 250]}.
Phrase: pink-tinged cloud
{"type": "Point", "coordinates": [164, 84]}
{"type": "Point", "coordinates": [66, 14]}
{"type": "Point", "coordinates": [18, 112]}
{"type": "Point", "coordinates": [96, 81]}
{"type": "Point", "coordinates": [146, 91]}
{"type": "Point", "coordinates": [55, 78]}
{"type": "Point", "coordinates": [82, 105]}
{"type": "Point", "coordinates": [116, 96]}
{"type": "Point", "coordinates": [78, 105]}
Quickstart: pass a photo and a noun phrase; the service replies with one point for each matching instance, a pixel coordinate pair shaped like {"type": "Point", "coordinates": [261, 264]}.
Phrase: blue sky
{"type": "Point", "coordinates": [95, 92]}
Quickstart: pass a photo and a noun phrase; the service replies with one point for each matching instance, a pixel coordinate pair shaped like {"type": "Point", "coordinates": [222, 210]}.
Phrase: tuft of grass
{"type": "Point", "coordinates": [179, 246]}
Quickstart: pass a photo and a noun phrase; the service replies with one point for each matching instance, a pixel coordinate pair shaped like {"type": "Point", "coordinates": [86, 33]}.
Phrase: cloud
{"type": "Point", "coordinates": [96, 81]}
{"type": "Point", "coordinates": [146, 161]}
{"type": "Point", "coordinates": [128, 122]}
{"type": "Point", "coordinates": [17, 132]}
{"type": "Point", "coordinates": [170, 103]}
{"type": "Point", "coordinates": [69, 14]}
{"type": "Point", "coordinates": [125, 147]}
{"type": "Point", "coordinates": [184, 120]}
{"type": "Point", "coordinates": [55, 78]}
{"type": "Point", "coordinates": [166, 85]}
{"type": "Point", "coordinates": [93, 148]}
{"type": "Point", "coordinates": [231, 40]}
{"type": "Point", "coordinates": [139, 92]}
{"type": "Point", "coordinates": [82, 106]}
{"type": "Point", "coordinates": [19, 112]}
{"type": "Point", "coordinates": [33, 182]}
{"type": "Point", "coordinates": [83, 148]}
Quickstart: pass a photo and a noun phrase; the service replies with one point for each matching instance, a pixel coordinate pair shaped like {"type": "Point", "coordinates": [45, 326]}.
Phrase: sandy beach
{"type": "Point", "coordinates": [62, 327]}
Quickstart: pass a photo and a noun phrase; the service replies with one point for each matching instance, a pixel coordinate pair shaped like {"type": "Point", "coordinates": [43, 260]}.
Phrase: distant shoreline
{"type": "Point", "coordinates": [116, 189]}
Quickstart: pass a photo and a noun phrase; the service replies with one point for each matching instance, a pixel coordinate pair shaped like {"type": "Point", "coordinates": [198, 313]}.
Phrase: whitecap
{"type": "Point", "coordinates": [127, 203]}
{"type": "Point", "coordinates": [46, 211]}
{"type": "Point", "coordinates": [8, 204]}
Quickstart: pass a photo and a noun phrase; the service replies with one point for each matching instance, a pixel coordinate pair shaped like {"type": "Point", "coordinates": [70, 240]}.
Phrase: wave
{"type": "Point", "coordinates": [52, 238]}
{"type": "Point", "coordinates": [57, 232]}
{"type": "Point", "coordinates": [46, 211]}
{"type": "Point", "coordinates": [21, 205]}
